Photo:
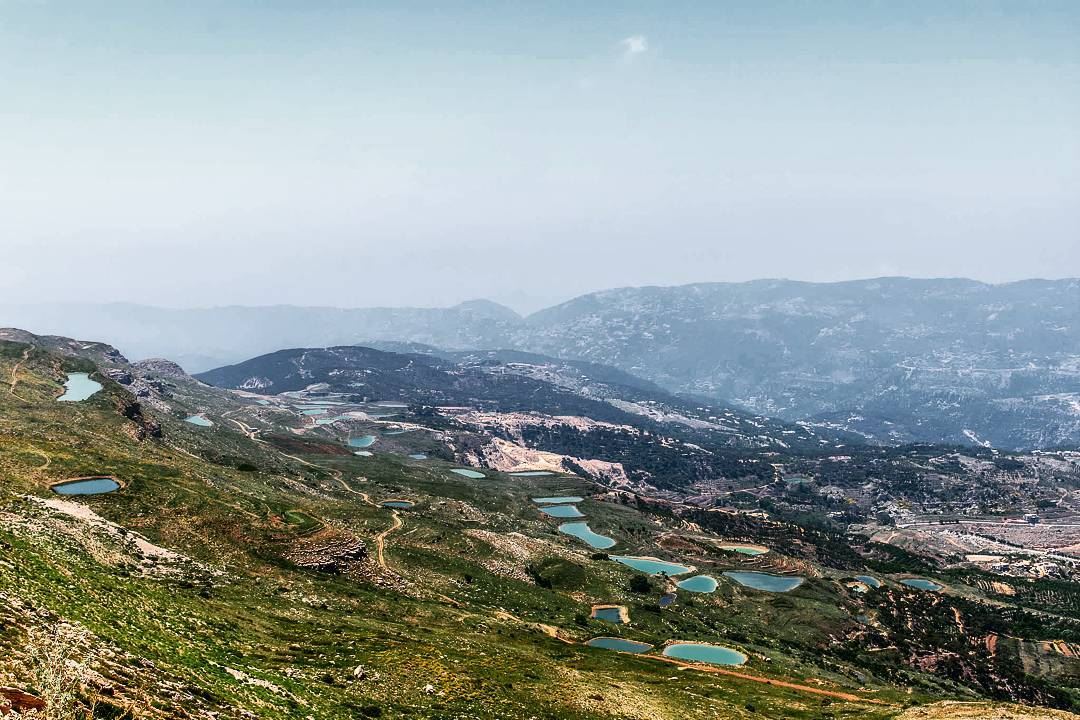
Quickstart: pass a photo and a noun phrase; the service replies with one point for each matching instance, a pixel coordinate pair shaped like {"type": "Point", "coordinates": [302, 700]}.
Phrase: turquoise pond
{"type": "Point", "coordinates": [558, 500]}
{"type": "Point", "coordinates": [619, 644]}
{"type": "Point", "coordinates": [699, 584]}
{"type": "Point", "coordinates": [581, 531]}
{"type": "Point", "coordinates": [652, 566]}
{"type": "Point", "coordinates": [330, 420]}
{"type": "Point", "coordinates": [922, 584]}
{"type": "Point", "coordinates": [464, 472]}
{"type": "Point", "coordinates": [321, 411]}
{"type": "Point", "coordinates": [263, 402]}
{"type": "Point", "coordinates": [869, 580]}
{"type": "Point", "coordinates": [89, 486]}
{"type": "Point", "coordinates": [765, 581]}
{"type": "Point", "coordinates": [198, 420]}
{"type": "Point", "coordinates": [398, 504]}
{"type": "Point", "coordinates": [703, 652]}
{"type": "Point", "coordinates": [78, 387]}
{"type": "Point", "coordinates": [418, 456]}
{"type": "Point", "coordinates": [744, 549]}
{"type": "Point", "coordinates": [532, 473]}
{"type": "Point", "coordinates": [608, 614]}
{"type": "Point", "coordinates": [562, 511]}
{"type": "Point", "coordinates": [362, 442]}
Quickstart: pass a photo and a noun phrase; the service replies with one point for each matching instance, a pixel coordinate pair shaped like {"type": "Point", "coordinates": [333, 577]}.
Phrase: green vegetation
{"type": "Point", "coordinates": [270, 581]}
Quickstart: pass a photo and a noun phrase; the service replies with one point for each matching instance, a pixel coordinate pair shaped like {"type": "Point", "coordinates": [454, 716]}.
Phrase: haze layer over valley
{"type": "Point", "coordinates": [893, 359]}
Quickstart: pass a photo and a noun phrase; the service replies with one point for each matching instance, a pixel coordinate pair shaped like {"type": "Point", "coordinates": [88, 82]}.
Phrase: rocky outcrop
{"type": "Point", "coordinates": [141, 426]}
{"type": "Point", "coordinates": [159, 367]}
{"type": "Point", "coordinates": [329, 550]}
{"type": "Point", "coordinates": [18, 701]}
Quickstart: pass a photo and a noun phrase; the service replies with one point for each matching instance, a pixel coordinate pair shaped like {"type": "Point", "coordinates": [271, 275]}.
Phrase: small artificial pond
{"type": "Point", "coordinates": [78, 387]}
{"type": "Point", "coordinates": [86, 486]}
{"type": "Point", "coordinates": [765, 581]}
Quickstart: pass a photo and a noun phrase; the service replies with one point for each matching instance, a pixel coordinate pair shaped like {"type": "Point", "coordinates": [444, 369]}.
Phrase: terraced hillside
{"type": "Point", "coordinates": [246, 566]}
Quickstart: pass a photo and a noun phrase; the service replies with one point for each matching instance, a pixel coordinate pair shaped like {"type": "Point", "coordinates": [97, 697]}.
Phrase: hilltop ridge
{"type": "Point", "coordinates": [892, 359]}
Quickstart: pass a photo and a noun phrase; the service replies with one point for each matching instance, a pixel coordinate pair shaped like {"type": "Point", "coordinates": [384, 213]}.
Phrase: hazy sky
{"type": "Point", "coordinates": [354, 154]}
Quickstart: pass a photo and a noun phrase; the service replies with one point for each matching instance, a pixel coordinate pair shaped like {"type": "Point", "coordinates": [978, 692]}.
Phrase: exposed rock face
{"type": "Point", "coordinates": [257, 383]}
{"type": "Point", "coordinates": [19, 701]}
{"type": "Point", "coordinates": [141, 426]}
{"type": "Point", "coordinates": [120, 376]}
{"type": "Point", "coordinates": [505, 456]}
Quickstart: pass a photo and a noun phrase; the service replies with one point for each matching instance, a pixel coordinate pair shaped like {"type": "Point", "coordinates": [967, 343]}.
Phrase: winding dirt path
{"type": "Point", "coordinates": [15, 373]}
{"type": "Point", "coordinates": [380, 539]}
{"type": "Point", "coordinates": [248, 430]}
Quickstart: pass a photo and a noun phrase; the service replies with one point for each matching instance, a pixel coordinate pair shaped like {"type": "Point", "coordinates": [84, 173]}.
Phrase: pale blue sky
{"type": "Point", "coordinates": [404, 153]}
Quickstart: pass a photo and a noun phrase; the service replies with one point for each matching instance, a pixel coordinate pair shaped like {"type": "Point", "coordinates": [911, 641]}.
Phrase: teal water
{"type": "Point", "coordinates": [198, 420]}
{"type": "Point", "coordinates": [558, 500]}
{"type": "Point", "coordinates": [362, 442]}
{"type": "Point", "coordinates": [90, 486]}
{"type": "Point", "coordinates": [744, 549]}
{"type": "Point", "coordinates": [652, 566]}
{"type": "Point", "coordinates": [619, 644]}
{"type": "Point", "coordinates": [869, 580]}
{"type": "Point", "coordinates": [532, 473]}
{"type": "Point", "coordinates": [399, 504]}
{"type": "Point", "coordinates": [703, 652]}
{"type": "Point", "coordinates": [699, 584]}
{"type": "Point", "coordinates": [581, 531]}
{"type": "Point", "coordinates": [922, 584]}
{"type": "Point", "coordinates": [263, 402]}
{"type": "Point", "coordinates": [610, 614]}
{"type": "Point", "coordinates": [321, 411]}
{"type": "Point", "coordinates": [468, 473]}
{"type": "Point", "coordinates": [78, 387]}
{"type": "Point", "coordinates": [418, 456]}
{"type": "Point", "coordinates": [562, 511]}
{"type": "Point", "coordinates": [765, 581]}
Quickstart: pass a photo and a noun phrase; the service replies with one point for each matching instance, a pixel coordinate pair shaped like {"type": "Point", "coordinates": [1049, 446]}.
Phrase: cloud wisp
{"type": "Point", "coordinates": [633, 46]}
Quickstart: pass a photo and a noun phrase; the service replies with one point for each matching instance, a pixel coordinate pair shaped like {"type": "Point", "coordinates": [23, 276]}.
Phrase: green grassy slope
{"type": "Point", "coordinates": [274, 602]}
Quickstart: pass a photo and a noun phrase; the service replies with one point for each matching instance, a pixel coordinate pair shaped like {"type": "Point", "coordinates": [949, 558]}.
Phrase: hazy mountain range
{"type": "Point", "coordinates": [893, 358]}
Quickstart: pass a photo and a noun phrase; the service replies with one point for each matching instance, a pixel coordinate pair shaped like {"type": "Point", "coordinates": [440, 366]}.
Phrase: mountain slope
{"type": "Point", "coordinates": [893, 359]}
{"type": "Point", "coordinates": [899, 359]}
{"type": "Point", "coordinates": [250, 568]}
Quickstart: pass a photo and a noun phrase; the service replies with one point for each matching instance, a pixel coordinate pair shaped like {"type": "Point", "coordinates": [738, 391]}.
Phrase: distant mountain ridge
{"type": "Point", "coordinates": [895, 359]}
